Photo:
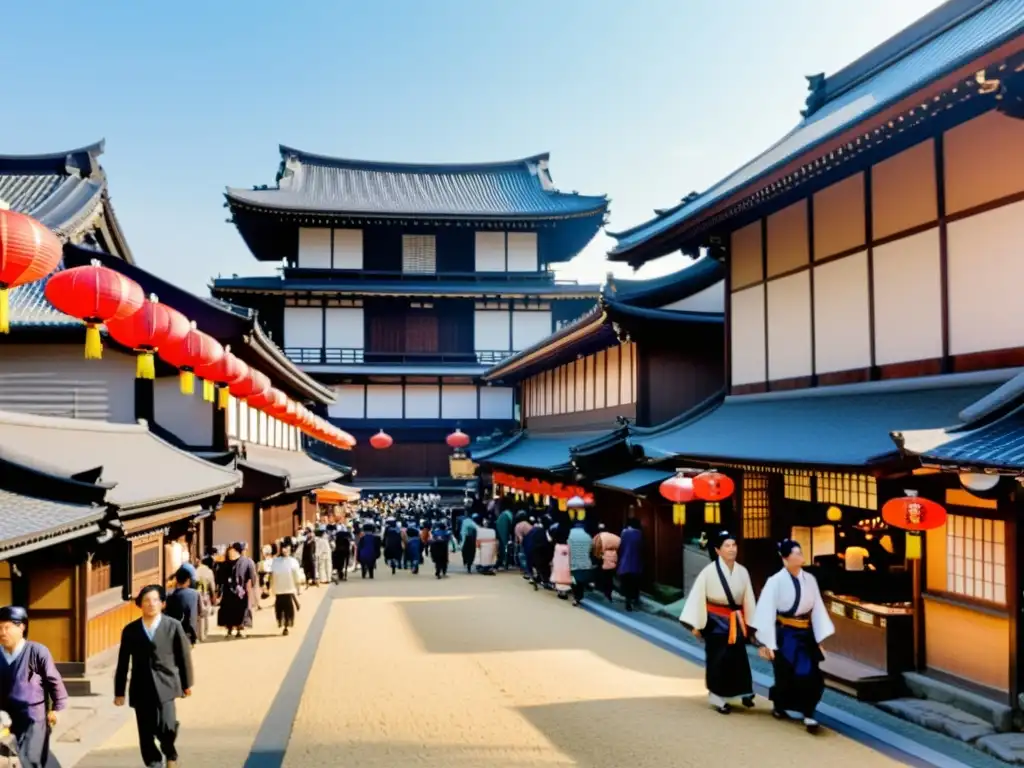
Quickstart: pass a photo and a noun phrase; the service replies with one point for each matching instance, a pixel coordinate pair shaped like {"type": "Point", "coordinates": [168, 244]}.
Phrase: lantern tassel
{"type": "Point", "coordinates": [207, 390]}
{"type": "Point", "coordinates": [679, 512]}
{"type": "Point", "coordinates": [187, 380]}
{"type": "Point", "coordinates": [145, 367]}
{"type": "Point", "coordinates": [913, 545]}
{"type": "Point", "coordinates": [93, 342]}
{"type": "Point", "coordinates": [223, 398]}
{"type": "Point", "coordinates": [5, 312]}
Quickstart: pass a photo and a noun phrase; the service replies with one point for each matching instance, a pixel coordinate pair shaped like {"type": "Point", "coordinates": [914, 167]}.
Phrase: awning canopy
{"type": "Point", "coordinates": [841, 426]}
{"type": "Point", "coordinates": [271, 471]}
{"type": "Point", "coordinates": [336, 493]}
{"type": "Point", "coordinates": [539, 452]}
{"type": "Point", "coordinates": [634, 480]}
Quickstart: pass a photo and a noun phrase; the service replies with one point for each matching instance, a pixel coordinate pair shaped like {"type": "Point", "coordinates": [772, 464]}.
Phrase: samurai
{"type": "Point", "coordinates": [720, 610]}
{"type": "Point", "coordinates": [792, 623]}
{"type": "Point", "coordinates": [31, 689]}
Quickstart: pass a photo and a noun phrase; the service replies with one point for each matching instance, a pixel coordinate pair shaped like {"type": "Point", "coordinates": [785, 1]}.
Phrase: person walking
{"type": "Point", "coordinates": [467, 535]}
{"type": "Point", "coordinates": [487, 547]}
{"type": "Point", "coordinates": [413, 547]}
{"type": "Point", "coordinates": [393, 549]}
{"type": "Point", "coordinates": [31, 689]}
{"type": "Point", "coordinates": [206, 584]}
{"type": "Point", "coordinates": [237, 587]}
{"type": "Point", "coordinates": [183, 604]}
{"type": "Point", "coordinates": [719, 609]}
{"type": "Point", "coordinates": [439, 539]}
{"type": "Point", "coordinates": [503, 527]}
{"type": "Point", "coordinates": [285, 578]}
{"type": "Point", "coordinates": [368, 550]}
{"type": "Point", "coordinates": [322, 548]}
{"type": "Point", "coordinates": [631, 562]}
{"type": "Point", "coordinates": [542, 553]}
{"type": "Point", "coordinates": [606, 550]}
{"type": "Point", "coordinates": [308, 559]}
{"type": "Point", "coordinates": [561, 572]}
{"type": "Point", "coordinates": [580, 564]}
{"type": "Point", "coordinates": [158, 655]}
{"type": "Point", "coordinates": [342, 551]}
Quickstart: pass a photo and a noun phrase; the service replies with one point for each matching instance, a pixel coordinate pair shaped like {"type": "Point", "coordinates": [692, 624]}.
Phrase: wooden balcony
{"type": "Point", "coordinates": [339, 356]}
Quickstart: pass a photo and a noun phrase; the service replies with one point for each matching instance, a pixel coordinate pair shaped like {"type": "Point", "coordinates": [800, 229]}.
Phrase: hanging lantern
{"type": "Point", "coordinates": [381, 440]}
{"type": "Point", "coordinates": [262, 400]}
{"type": "Point", "coordinates": [28, 252]}
{"type": "Point", "coordinates": [834, 514]}
{"type": "Point", "coordinates": [678, 488]}
{"type": "Point", "coordinates": [146, 330]}
{"type": "Point", "coordinates": [457, 439]}
{"type": "Point", "coordinates": [252, 382]}
{"type": "Point", "coordinates": [278, 404]}
{"type": "Point", "coordinates": [94, 294]}
{"type": "Point", "coordinates": [913, 514]}
{"type": "Point", "coordinates": [221, 374]}
{"type": "Point", "coordinates": [577, 508]}
{"type": "Point", "coordinates": [195, 350]}
{"type": "Point", "coordinates": [713, 486]}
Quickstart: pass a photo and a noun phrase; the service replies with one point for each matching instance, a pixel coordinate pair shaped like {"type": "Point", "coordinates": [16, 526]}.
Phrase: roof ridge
{"type": "Point", "coordinates": [406, 167]}
{"type": "Point", "coordinates": [84, 159]}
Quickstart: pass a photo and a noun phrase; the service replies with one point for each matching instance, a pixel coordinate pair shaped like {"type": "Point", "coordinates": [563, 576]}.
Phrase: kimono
{"type": "Point", "coordinates": [25, 685]}
{"type": "Point", "coordinates": [503, 526]}
{"type": "Point", "coordinates": [487, 546]}
{"type": "Point", "coordinates": [630, 564]}
{"type": "Point", "coordinates": [561, 573]}
{"type": "Point", "coordinates": [721, 606]}
{"type": "Point", "coordinates": [792, 620]}
{"type": "Point", "coordinates": [393, 547]}
{"type": "Point", "coordinates": [367, 553]}
{"type": "Point", "coordinates": [322, 548]}
{"type": "Point", "coordinates": [606, 549]}
{"type": "Point", "coordinates": [235, 607]}
{"type": "Point", "coordinates": [439, 551]}
{"type": "Point", "coordinates": [414, 549]}
{"type": "Point", "coordinates": [468, 537]}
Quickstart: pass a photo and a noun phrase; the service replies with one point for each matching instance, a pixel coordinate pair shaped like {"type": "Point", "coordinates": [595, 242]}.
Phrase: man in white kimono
{"type": "Point", "coordinates": [719, 609]}
{"type": "Point", "coordinates": [791, 622]}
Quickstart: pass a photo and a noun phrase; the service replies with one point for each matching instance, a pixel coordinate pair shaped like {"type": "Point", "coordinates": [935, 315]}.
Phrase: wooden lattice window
{"type": "Point", "coordinates": [419, 254]}
{"type": "Point", "coordinates": [756, 514]}
{"type": "Point", "coordinates": [976, 558]}
{"type": "Point", "coordinates": [847, 490]}
{"type": "Point", "coordinates": [797, 485]}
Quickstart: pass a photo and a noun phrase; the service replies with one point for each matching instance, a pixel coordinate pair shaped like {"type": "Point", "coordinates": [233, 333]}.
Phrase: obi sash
{"type": "Point", "coordinates": [732, 613]}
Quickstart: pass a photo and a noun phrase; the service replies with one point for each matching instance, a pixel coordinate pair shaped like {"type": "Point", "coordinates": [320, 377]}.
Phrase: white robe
{"type": "Point", "coordinates": [709, 587]}
{"type": "Point", "coordinates": [778, 596]}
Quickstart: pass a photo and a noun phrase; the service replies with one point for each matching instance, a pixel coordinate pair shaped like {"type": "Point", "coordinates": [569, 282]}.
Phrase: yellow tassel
{"type": "Point", "coordinates": [679, 514]}
{"type": "Point", "coordinates": [187, 380]}
{"type": "Point", "coordinates": [572, 514]}
{"type": "Point", "coordinates": [93, 342]}
{"type": "Point", "coordinates": [563, 505]}
{"type": "Point", "coordinates": [207, 391]}
{"type": "Point", "coordinates": [223, 398]}
{"type": "Point", "coordinates": [581, 514]}
{"type": "Point", "coordinates": [913, 546]}
{"type": "Point", "coordinates": [712, 512]}
{"type": "Point", "coordinates": [145, 367]}
{"type": "Point", "coordinates": [5, 312]}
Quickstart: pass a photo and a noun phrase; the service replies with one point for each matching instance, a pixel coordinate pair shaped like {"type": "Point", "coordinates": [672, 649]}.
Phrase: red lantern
{"type": "Point", "coordinates": [381, 440]}
{"type": "Point", "coordinates": [278, 403]}
{"type": "Point", "coordinates": [713, 486]}
{"type": "Point", "coordinates": [457, 439]}
{"type": "Point", "coordinates": [251, 384]}
{"type": "Point", "coordinates": [28, 252]}
{"type": "Point", "coordinates": [226, 371]}
{"type": "Point", "coordinates": [94, 294]}
{"type": "Point", "coordinates": [146, 330]}
{"type": "Point", "coordinates": [195, 350]}
{"type": "Point", "coordinates": [545, 488]}
{"type": "Point", "coordinates": [347, 440]}
{"type": "Point", "coordinates": [677, 489]}
{"type": "Point", "coordinates": [914, 513]}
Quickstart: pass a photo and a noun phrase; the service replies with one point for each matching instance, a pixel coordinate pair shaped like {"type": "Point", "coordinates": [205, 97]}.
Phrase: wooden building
{"type": "Point", "coordinates": [648, 352]}
{"type": "Point", "coordinates": [872, 258]}
{"type": "Point", "coordinates": [403, 283]}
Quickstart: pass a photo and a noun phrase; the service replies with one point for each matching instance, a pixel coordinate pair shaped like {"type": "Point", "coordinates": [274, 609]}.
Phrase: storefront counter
{"type": "Point", "coordinates": [879, 636]}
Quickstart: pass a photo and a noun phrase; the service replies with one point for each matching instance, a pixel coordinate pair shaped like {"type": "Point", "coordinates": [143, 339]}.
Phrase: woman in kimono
{"type": "Point", "coordinates": [487, 548]}
{"type": "Point", "coordinates": [561, 562]}
{"type": "Point", "coordinates": [468, 538]}
{"type": "Point", "coordinates": [413, 547]}
{"type": "Point", "coordinates": [606, 549]}
{"type": "Point", "coordinates": [238, 582]}
{"type": "Point", "coordinates": [791, 622]}
{"type": "Point", "coordinates": [368, 550]}
{"type": "Point", "coordinates": [719, 609]}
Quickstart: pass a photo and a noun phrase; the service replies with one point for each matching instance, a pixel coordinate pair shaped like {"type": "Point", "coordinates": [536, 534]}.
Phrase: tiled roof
{"type": "Point", "coordinates": [997, 446]}
{"type": "Point", "coordinates": [296, 468]}
{"type": "Point", "coordinates": [634, 479]}
{"type": "Point", "coordinates": [843, 425]}
{"type": "Point", "coordinates": [146, 471]}
{"type": "Point", "coordinates": [25, 520]}
{"type": "Point", "coordinates": [29, 307]}
{"type": "Point", "coordinates": [516, 189]}
{"type": "Point", "coordinates": [547, 452]}
{"type": "Point", "coordinates": [658, 291]}
{"type": "Point", "coordinates": [985, 27]}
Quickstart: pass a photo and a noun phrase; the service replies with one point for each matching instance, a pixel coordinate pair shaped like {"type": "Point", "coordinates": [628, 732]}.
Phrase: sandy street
{"type": "Point", "coordinates": [466, 673]}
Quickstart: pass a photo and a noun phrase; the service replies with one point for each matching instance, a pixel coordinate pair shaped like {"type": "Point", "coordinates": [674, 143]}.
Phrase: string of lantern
{"type": "Point", "coordinates": [571, 498]}
{"type": "Point", "coordinates": [711, 486]}
{"type": "Point", "coordinates": [100, 296]}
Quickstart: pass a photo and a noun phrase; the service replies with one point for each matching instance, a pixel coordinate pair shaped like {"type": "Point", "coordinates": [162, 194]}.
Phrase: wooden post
{"type": "Point", "coordinates": [917, 606]}
{"type": "Point", "coordinates": [145, 405]}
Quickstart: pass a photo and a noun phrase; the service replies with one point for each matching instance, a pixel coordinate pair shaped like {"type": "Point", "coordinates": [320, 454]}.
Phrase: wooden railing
{"type": "Point", "coordinates": [340, 356]}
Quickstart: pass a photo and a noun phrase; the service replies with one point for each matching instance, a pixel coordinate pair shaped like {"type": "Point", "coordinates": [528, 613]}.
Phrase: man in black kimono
{"type": "Point", "coordinates": [28, 680]}
{"type": "Point", "coordinates": [160, 656]}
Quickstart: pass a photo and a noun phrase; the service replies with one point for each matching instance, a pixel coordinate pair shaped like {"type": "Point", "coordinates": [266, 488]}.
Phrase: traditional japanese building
{"type": "Point", "coordinates": [873, 258]}
{"type": "Point", "coordinates": [402, 284]}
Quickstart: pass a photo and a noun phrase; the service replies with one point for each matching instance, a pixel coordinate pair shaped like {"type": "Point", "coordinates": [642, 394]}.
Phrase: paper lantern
{"type": "Point", "coordinates": [195, 350]}
{"type": "Point", "coordinates": [576, 502]}
{"type": "Point", "coordinates": [913, 513]}
{"type": "Point", "coordinates": [834, 514]}
{"type": "Point", "coordinates": [457, 439]}
{"type": "Point", "coordinates": [226, 371]}
{"type": "Point", "coordinates": [677, 489]}
{"type": "Point", "coordinates": [95, 295]}
{"type": "Point", "coordinates": [28, 252]}
{"type": "Point", "coordinates": [146, 330]}
{"type": "Point", "coordinates": [278, 404]}
{"type": "Point", "coordinates": [381, 440]}
{"type": "Point", "coordinates": [713, 486]}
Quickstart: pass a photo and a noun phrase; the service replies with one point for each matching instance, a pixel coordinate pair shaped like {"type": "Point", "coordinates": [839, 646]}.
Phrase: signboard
{"type": "Point", "coordinates": [462, 468]}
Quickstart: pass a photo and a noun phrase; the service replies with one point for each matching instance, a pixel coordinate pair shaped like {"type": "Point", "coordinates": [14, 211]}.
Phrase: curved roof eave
{"type": "Point", "coordinates": [399, 167]}
{"type": "Point", "coordinates": [681, 284]}
{"type": "Point", "coordinates": [589, 323]}
{"type": "Point", "coordinates": [56, 162]}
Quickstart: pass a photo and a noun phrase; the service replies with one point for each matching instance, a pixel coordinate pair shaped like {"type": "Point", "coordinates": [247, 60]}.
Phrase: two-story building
{"type": "Point", "coordinates": [872, 259]}
{"type": "Point", "coordinates": [402, 283]}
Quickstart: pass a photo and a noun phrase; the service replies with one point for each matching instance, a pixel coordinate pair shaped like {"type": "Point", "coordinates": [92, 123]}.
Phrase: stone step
{"type": "Point", "coordinates": [78, 686]}
{"type": "Point", "coordinates": [1000, 716]}
{"type": "Point", "coordinates": [941, 717]}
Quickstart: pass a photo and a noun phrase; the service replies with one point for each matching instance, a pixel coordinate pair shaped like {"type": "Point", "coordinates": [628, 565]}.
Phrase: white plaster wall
{"type": "Point", "coordinates": [348, 249]}
{"type": "Point", "coordinates": [842, 315]}
{"type": "Point", "coordinates": [348, 403]}
{"type": "Point", "coordinates": [496, 402]}
{"type": "Point", "coordinates": [747, 336]}
{"type": "Point", "coordinates": [908, 299]}
{"type": "Point", "coordinates": [491, 329]}
{"type": "Point", "coordinates": [422, 401]}
{"type": "Point", "coordinates": [303, 327]}
{"type": "Point", "coordinates": [384, 401]}
{"type": "Point", "coordinates": [490, 251]}
{"type": "Point", "coordinates": [314, 248]}
{"type": "Point", "coordinates": [522, 251]}
{"type": "Point", "coordinates": [711, 299]}
{"type": "Point", "coordinates": [986, 271]}
{"type": "Point", "coordinates": [612, 372]}
{"type": "Point", "coordinates": [344, 327]}
{"type": "Point", "coordinates": [789, 326]}
{"type": "Point", "coordinates": [529, 327]}
{"type": "Point", "coordinates": [458, 401]}
{"type": "Point", "coordinates": [187, 417]}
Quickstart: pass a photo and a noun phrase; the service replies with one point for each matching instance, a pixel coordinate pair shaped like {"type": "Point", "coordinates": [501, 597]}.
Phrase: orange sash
{"type": "Point", "coordinates": [737, 626]}
{"type": "Point", "coordinates": [787, 621]}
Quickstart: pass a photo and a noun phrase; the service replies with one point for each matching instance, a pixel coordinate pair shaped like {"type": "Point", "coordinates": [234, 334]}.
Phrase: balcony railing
{"type": "Point", "coordinates": [378, 275]}
{"type": "Point", "coordinates": [341, 356]}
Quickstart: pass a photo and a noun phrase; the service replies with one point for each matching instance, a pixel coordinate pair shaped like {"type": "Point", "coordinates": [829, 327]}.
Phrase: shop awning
{"type": "Point", "coordinates": [144, 472]}
{"type": "Point", "coordinates": [28, 523]}
{"type": "Point", "coordinates": [152, 522]}
{"type": "Point", "coordinates": [634, 480]}
{"type": "Point", "coordinates": [336, 493]}
{"type": "Point", "coordinates": [288, 471]}
{"type": "Point", "coordinates": [842, 426]}
{"type": "Point", "coordinates": [540, 452]}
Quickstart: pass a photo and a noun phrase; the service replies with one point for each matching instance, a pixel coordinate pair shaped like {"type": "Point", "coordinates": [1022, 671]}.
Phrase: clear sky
{"type": "Point", "coordinates": [644, 100]}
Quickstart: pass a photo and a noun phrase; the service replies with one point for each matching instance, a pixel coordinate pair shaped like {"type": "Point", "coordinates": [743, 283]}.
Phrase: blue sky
{"type": "Point", "coordinates": [643, 100]}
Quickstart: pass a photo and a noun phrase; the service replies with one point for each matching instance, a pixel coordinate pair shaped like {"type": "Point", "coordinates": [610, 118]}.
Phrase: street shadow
{"type": "Point", "coordinates": [197, 748]}
{"type": "Point", "coordinates": [222, 638]}
{"type": "Point", "coordinates": [534, 622]}
{"type": "Point", "coordinates": [394, 753]}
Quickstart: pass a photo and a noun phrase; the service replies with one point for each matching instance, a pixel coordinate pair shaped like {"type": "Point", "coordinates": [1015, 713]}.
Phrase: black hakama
{"type": "Point", "coordinates": [727, 669]}
{"type": "Point", "coordinates": [799, 684]}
